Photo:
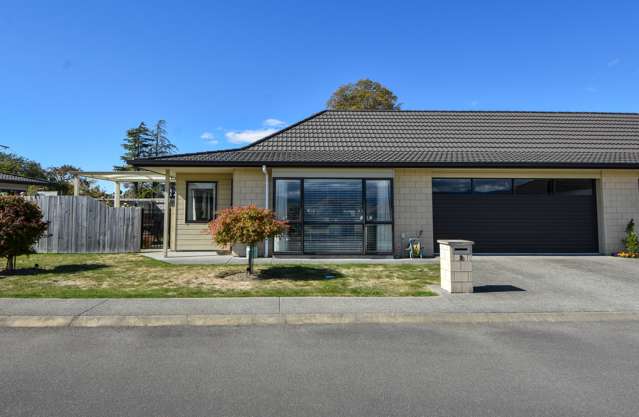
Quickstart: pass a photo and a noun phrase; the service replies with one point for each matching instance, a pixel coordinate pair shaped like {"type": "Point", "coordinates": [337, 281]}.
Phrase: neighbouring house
{"type": "Point", "coordinates": [364, 182]}
{"type": "Point", "coordinates": [17, 184]}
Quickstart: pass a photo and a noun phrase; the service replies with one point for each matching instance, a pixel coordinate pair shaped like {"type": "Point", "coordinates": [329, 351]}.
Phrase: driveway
{"type": "Point", "coordinates": [510, 284]}
{"type": "Point", "coordinates": [553, 283]}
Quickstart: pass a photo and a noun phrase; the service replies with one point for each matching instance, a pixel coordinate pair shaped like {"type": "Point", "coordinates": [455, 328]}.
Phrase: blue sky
{"type": "Point", "coordinates": [74, 75]}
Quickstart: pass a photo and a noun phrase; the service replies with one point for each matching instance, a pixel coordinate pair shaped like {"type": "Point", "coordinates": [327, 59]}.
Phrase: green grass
{"type": "Point", "coordinates": [135, 276]}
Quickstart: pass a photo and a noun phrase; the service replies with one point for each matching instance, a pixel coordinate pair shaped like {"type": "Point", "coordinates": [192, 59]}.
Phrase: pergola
{"type": "Point", "coordinates": [119, 177]}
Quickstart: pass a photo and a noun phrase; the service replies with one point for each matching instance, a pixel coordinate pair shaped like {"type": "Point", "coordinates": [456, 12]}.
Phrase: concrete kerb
{"type": "Point", "coordinates": [307, 319]}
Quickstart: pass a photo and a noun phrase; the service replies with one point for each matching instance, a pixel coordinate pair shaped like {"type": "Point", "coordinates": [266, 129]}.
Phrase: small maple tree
{"type": "Point", "coordinates": [246, 225]}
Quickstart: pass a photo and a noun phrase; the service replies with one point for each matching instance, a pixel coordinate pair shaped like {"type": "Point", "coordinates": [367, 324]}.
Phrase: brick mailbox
{"type": "Point", "coordinates": [456, 264]}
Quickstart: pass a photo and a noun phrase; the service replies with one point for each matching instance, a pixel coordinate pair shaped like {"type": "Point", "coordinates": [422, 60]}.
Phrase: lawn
{"type": "Point", "coordinates": [132, 275]}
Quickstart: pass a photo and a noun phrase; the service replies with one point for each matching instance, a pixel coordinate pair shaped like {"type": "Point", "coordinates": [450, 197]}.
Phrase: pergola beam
{"type": "Point", "coordinates": [122, 176]}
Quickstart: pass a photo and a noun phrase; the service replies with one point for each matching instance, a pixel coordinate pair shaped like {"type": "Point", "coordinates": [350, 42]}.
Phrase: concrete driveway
{"type": "Point", "coordinates": [553, 283]}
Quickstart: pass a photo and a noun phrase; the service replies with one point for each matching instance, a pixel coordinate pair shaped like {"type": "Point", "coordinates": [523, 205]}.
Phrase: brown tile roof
{"type": "Point", "coordinates": [438, 138]}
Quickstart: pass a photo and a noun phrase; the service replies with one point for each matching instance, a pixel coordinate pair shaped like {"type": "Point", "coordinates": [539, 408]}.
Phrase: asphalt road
{"type": "Point", "coordinates": [524, 369]}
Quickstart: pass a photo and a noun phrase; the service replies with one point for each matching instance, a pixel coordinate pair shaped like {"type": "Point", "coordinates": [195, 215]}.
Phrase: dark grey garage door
{"type": "Point", "coordinates": [517, 216]}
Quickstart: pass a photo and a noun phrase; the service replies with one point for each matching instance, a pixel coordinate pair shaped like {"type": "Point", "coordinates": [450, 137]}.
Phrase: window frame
{"type": "Point", "coordinates": [473, 180]}
{"type": "Point", "coordinates": [364, 223]}
{"type": "Point", "coordinates": [593, 187]}
{"type": "Point", "coordinates": [469, 179]}
{"type": "Point", "coordinates": [550, 185]}
{"type": "Point", "coordinates": [187, 205]}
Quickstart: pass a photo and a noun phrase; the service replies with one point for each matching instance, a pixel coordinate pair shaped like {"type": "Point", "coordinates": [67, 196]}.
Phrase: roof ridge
{"type": "Point", "coordinates": [22, 176]}
{"type": "Point", "coordinates": [482, 111]}
{"type": "Point", "coordinates": [242, 148]}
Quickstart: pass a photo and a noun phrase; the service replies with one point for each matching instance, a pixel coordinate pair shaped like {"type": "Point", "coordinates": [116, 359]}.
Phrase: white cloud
{"type": "Point", "coordinates": [209, 137]}
{"type": "Point", "coordinates": [248, 135]}
{"type": "Point", "coordinates": [614, 62]}
{"type": "Point", "coordinates": [270, 122]}
{"type": "Point", "coordinates": [591, 89]}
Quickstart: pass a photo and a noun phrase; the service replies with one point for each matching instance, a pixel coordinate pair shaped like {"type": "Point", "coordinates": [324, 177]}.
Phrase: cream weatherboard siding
{"type": "Point", "coordinates": [618, 195]}
{"type": "Point", "coordinates": [194, 236]}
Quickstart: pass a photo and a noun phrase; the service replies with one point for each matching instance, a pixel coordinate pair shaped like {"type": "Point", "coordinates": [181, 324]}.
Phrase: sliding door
{"type": "Point", "coordinates": [335, 216]}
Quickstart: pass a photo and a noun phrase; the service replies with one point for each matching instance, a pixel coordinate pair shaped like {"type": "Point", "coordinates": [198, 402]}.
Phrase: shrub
{"type": "Point", "coordinates": [21, 226]}
{"type": "Point", "coordinates": [246, 225]}
{"type": "Point", "coordinates": [631, 241]}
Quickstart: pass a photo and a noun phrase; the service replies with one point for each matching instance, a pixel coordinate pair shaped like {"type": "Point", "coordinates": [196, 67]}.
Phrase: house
{"type": "Point", "coordinates": [17, 184]}
{"type": "Point", "coordinates": [364, 182]}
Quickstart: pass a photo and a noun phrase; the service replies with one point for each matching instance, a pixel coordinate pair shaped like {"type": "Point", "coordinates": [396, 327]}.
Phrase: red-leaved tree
{"type": "Point", "coordinates": [21, 226]}
{"type": "Point", "coordinates": [246, 225]}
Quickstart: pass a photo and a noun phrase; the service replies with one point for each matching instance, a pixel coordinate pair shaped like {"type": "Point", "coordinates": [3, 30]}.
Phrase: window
{"type": "Point", "coordinates": [288, 206]}
{"type": "Point", "coordinates": [291, 241]}
{"type": "Point", "coordinates": [574, 187]}
{"type": "Point", "coordinates": [493, 186]}
{"type": "Point", "coordinates": [451, 185]}
{"type": "Point", "coordinates": [333, 238]}
{"type": "Point", "coordinates": [335, 216]}
{"type": "Point", "coordinates": [288, 200]}
{"type": "Point", "coordinates": [200, 201]}
{"type": "Point", "coordinates": [378, 201]}
{"type": "Point", "coordinates": [333, 201]}
{"type": "Point", "coordinates": [530, 186]}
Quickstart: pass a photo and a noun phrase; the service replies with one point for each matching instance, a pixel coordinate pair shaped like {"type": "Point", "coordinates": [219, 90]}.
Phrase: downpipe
{"type": "Point", "coordinates": [266, 190]}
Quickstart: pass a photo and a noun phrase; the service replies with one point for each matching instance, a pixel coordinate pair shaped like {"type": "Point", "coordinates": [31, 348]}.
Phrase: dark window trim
{"type": "Point", "coordinates": [186, 208]}
{"type": "Point", "coordinates": [551, 181]}
{"type": "Point", "coordinates": [362, 223]}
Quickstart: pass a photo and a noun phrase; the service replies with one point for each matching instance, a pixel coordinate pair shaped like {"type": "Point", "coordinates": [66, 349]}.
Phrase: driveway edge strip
{"type": "Point", "coordinates": [306, 319]}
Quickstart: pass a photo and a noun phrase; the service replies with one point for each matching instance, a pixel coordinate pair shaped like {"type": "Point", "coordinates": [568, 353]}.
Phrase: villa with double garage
{"type": "Point", "coordinates": [363, 183]}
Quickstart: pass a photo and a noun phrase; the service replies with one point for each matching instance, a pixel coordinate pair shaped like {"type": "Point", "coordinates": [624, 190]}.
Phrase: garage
{"type": "Point", "coordinates": [504, 215]}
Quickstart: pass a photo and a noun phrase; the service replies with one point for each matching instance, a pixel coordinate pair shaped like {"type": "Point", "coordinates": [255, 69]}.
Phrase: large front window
{"type": "Point", "coordinates": [200, 201]}
{"type": "Point", "coordinates": [335, 216]}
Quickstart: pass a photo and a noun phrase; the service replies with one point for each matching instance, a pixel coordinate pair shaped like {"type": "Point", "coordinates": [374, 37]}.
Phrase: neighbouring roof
{"type": "Point", "coordinates": [19, 179]}
{"type": "Point", "coordinates": [122, 176]}
{"type": "Point", "coordinates": [437, 139]}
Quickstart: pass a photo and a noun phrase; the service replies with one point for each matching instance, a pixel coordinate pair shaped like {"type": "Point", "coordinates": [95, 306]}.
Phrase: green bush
{"type": "Point", "coordinates": [21, 226]}
{"type": "Point", "coordinates": [631, 241]}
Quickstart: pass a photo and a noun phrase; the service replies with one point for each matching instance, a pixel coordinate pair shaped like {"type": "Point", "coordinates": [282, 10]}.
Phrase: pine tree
{"type": "Point", "coordinates": [138, 143]}
{"type": "Point", "coordinates": [161, 143]}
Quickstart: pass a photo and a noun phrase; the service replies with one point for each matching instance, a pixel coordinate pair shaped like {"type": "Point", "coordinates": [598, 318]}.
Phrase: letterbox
{"type": "Point", "coordinates": [456, 265]}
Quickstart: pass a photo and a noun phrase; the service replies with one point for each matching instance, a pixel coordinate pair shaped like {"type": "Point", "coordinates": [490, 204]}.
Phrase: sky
{"type": "Point", "coordinates": [75, 75]}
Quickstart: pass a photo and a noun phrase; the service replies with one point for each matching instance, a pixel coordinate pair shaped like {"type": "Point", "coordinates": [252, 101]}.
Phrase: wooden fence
{"type": "Point", "coordinates": [85, 225]}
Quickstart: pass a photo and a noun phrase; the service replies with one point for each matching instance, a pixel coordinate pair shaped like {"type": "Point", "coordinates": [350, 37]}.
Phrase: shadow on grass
{"type": "Point", "coordinates": [60, 269]}
{"type": "Point", "coordinates": [299, 273]}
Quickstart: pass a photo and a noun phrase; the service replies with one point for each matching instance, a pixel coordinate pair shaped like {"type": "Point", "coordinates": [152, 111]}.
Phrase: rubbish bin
{"type": "Point", "coordinates": [456, 265]}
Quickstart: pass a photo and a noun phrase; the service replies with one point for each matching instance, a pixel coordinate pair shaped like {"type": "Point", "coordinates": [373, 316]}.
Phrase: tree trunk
{"type": "Point", "coordinates": [11, 263]}
{"type": "Point", "coordinates": [250, 270]}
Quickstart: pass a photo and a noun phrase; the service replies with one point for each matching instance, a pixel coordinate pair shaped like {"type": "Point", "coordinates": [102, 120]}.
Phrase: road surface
{"type": "Point", "coordinates": [518, 369]}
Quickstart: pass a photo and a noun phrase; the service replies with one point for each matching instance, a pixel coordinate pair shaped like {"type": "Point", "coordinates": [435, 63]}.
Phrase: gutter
{"type": "Point", "coordinates": [266, 182]}
{"type": "Point", "coordinates": [383, 164]}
